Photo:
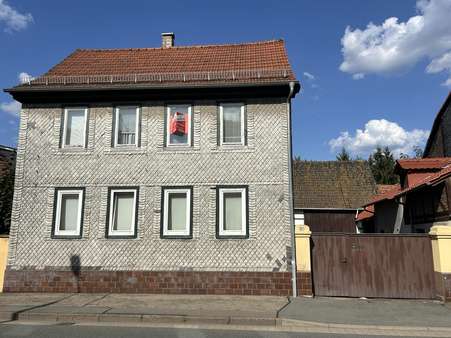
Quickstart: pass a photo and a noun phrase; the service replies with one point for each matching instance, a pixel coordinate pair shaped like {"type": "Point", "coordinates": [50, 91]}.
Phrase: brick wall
{"type": "Point", "coordinates": [168, 282]}
{"type": "Point", "coordinates": [262, 165]}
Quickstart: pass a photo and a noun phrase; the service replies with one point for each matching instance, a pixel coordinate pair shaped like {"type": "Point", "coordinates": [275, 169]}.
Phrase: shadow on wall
{"type": "Point", "coordinates": [75, 266]}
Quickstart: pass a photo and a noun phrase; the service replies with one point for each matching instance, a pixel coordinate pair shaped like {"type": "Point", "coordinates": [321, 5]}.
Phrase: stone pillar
{"type": "Point", "coordinates": [303, 261]}
{"type": "Point", "coordinates": [441, 251]}
{"type": "Point", "coordinates": [3, 258]}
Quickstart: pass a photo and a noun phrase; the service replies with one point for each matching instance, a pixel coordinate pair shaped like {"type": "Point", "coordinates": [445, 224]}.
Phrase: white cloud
{"type": "Point", "coordinates": [380, 133]}
{"type": "Point", "coordinates": [309, 76]}
{"type": "Point", "coordinates": [12, 108]}
{"type": "Point", "coordinates": [394, 46]}
{"type": "Point", "coordinates": [13, 20]}
{"type": "Point", "coordinates": [25, 77]}
{"type": "Point", "coordinates": [441, 64]}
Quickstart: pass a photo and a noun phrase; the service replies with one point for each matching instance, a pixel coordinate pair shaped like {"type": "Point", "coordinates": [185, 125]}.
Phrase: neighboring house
{"type": "Point", "coordinates": [439, 142]}
{"type": "Point", "coordinates": [422, 199]}
{"type": "Point", "coordinates": [160, 170]}
{"type": "Point", "coordinates": [7, 167]}
{"type": "Point", "coordinates": [328, 195]}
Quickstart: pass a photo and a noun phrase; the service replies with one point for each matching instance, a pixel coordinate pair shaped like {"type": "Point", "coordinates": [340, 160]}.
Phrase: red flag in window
{"type": "Point", "coordinates": [179, 124]}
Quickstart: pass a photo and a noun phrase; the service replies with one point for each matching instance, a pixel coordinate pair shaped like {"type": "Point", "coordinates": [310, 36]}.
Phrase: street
{"type": "Point", "coordinates": [79, 331]}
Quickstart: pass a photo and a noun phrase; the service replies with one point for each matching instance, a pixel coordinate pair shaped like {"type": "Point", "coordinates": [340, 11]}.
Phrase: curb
{"type": "Point", "coordinates": [139, 318]}
{"type": "Point", "coordinates": [275, 323]}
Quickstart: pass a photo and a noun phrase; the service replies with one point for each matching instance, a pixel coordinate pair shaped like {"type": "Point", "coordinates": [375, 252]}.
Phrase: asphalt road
{"type": "Point", "coordinates": [79, 331]}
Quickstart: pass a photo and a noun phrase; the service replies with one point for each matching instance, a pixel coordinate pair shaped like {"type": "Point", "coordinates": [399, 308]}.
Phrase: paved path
{"type": "Point", "coordinates": [319, 315]}
{"type": "Point", "coordinates": [369, 312]}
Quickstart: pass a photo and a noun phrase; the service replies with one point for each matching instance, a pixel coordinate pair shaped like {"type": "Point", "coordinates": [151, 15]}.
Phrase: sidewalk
{"type": "Point", "coordinates": [320, 314]}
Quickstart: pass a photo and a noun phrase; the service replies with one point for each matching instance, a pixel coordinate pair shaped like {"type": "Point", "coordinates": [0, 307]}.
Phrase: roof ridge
{"type": "Point", "coordinates": [261, 42]}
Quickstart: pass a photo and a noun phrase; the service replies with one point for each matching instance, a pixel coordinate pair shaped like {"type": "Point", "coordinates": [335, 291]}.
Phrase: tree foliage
{"type": "Point", "coordinates": [382, 163]}
{"type": "Point", "coordinates": [343, 155]}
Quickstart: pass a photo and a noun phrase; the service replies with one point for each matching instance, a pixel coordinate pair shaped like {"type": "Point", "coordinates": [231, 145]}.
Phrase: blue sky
{"type": "Point", "coordinates": [390, 88]}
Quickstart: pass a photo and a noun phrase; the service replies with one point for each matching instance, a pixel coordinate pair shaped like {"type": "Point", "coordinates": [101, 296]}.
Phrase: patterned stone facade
{"type": "Point", "coordinates": [42, 166]}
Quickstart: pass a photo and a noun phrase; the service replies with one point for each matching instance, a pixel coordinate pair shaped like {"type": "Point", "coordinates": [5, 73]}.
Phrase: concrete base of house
{"type": "Point", "coordinates": [157, 282]}
{"type": "Point", "coordinates": [443, 286]}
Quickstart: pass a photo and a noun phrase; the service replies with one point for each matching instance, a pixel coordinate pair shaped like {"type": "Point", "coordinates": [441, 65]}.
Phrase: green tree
{"type": "Point", "coordinates": [343, 155]}
{"type": "Point", "coordinates": [382, 163]}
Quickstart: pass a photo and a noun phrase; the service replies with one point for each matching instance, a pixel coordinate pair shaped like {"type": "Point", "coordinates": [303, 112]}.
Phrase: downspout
{"type": "Point", "coordinates": [290, 192]}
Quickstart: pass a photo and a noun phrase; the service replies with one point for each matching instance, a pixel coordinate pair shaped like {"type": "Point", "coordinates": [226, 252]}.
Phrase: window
{"type": "Point", "coordinates": [231, 123]}
{"type": "Point", "coordinates": [177, 208]}
{"type": "Point", "coordinates": [68, 213]}
{"type": "Point", "coordinates": [122, 213]}
{"type": "Point", "coordinates": [74, 128]}
{"type": "Point", "coordinates": [232, 215]}
{"type": "Point", "coordinates": [126, 126]}
{"type": "Point", "coordinates": [178, 125]}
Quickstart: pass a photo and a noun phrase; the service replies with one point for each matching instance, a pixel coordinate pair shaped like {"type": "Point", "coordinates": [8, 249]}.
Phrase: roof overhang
{"type": "Point", "coordinates": [127, 93]}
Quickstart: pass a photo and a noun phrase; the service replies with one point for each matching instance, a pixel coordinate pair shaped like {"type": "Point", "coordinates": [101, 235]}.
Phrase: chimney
{"type": "Point", "coordinates": [167, 40]}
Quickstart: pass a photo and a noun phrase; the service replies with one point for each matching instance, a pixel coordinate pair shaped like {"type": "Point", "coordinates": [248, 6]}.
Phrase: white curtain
{"type": "Point", "coordinates": [75, 127]}
{"type": "Point", "coordinates": [127, 125]}
{"type": "Point", "coordinates": [177, 211]}
{"type": "Point", "coordinates": [231, 115]}
{"type": "Point", "coordinates": [69, 212]}
{"type": "Point", "coordinates": [123, 211]}
{"type": "Point", "coordinates": [232, 211]}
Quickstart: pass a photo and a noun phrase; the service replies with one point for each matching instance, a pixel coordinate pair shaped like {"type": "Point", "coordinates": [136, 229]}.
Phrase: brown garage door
{"type": "Point", "coordinates": [372, 265]}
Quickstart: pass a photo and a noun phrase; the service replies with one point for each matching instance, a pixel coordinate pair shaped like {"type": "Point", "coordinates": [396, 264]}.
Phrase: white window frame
{"type": "Point", "coordinates": [221, 122]}
{"type": "Point", "coordinates": [63, 141]}
{"type": "Point", "coordinates": [187, 231]}
{"type": "Point", "coordinates": [116, 126]}
{"type": "Point", "coordinates": [231, 233]}
{"type": "Point", "coordinates": [59, 196]}
{"type": "Point", "coordinates": [168, 135]}
{"type": "Point", "coordinates": [119, 233]}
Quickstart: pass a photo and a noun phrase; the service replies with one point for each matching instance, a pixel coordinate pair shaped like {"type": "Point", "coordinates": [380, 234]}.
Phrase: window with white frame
{"type": "Point", "coordinates": [232, 123]}
{"type": "Point", "coordinates": [122, 212]}
{"type": "Point", "coordinates": [176, 220]}
{"type": "Point", "coordinates": [126, 126]}
{"type": "Point", "coordinates": [68, 212]}
{"type": "Point", "coordinates": [232, 214]}
{"type": "Point", "coordinates": [74, 129]}
{"type": "Point", "coordinates": [178, 125]}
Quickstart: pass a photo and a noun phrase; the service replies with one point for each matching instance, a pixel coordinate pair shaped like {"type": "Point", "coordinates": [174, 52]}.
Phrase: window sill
{"type": "Point", "coordinates": [232, 236]}
{"type": "Point", "coordinates": [121, 237]}
{"type": "Point", "coordinates": [125, 150]}
{"type": "Point", "coordinates": [71, 237]}
{"type": "Point", "coordinates": [74, 150]}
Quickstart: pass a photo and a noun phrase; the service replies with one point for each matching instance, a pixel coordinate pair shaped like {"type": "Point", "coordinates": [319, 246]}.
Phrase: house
{"type": "Point", "coordinates": [420, 201]}
{"type": "Point", "coordinates": [159, 170]}
{"type": "Point", "coordinates": [328, 194]}
{"type": "Point", "coordinates": [439, 142]}
{"type": "Point", "coordinates": [423, 197]}
{"type": "Point", "coordinates": [7, 166]}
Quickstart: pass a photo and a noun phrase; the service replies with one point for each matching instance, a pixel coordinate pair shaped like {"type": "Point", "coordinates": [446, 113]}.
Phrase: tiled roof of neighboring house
{"type": "Point", "coordinates": [383, 188]}
{"type": "Point", "coordinates": [258, 62]}
{"type": "Point", "coordinates": [428, 179]}
{"type": "Point", "coordinates": [332, 184]}
{"type": "Point", "coordinates": [2, 147]}
{"type": "Point", "coordinates": [436, 124]}
{"type": "Point", "coordinates": [423, 163]}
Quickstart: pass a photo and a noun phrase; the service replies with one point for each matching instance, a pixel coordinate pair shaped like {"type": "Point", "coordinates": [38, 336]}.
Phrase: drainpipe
{"type": "Point", "coordinates": [290, 192]}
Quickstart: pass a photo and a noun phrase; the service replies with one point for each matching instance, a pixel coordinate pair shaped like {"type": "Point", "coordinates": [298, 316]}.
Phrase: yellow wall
{"type": "Point", "coordinates": [302, 234]}
{"type": "Point", "coordinates": [441, 247]}
{"type": "Point", "coordinates": [3, 257]}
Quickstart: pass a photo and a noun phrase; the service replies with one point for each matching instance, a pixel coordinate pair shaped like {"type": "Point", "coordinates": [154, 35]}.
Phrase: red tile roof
{"type": "Point", "coordinates": [423, 163]}
{"type": "Point", "coordinates": [430, 178]}
{"type": "Point", "coordinates": [264, 61]}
